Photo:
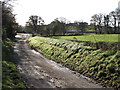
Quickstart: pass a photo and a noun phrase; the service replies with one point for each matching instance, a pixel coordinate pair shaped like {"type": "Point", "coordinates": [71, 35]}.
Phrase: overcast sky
{"type": "Point", "coordinates": [70, 9]}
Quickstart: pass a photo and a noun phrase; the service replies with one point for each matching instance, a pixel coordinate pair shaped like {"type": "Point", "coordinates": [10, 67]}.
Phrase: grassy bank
{"type": "Point", "coordinates": [10, 76]}
{"type": "Point", "coordinates": [92, 37]}
{"type": "Point", "coordinates": [103, 66]}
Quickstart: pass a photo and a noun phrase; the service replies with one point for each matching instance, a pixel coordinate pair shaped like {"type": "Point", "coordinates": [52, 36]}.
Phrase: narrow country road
{"type": "Point", "coordinates": [40, 72]}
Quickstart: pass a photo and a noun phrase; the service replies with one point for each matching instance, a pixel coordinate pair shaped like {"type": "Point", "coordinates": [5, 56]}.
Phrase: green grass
{"type": "Point", "coordinates": [90, 30]}
{"type": "Point", "coordinates": [11, 78]}
{"type": "Point", "coordinates": [92, 37]}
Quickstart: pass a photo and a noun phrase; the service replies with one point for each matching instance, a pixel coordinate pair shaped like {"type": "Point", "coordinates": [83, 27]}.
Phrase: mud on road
{"type": "Point", "coordinates": [39, 72]}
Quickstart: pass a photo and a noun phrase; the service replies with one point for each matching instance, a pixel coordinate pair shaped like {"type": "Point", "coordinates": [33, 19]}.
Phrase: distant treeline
{"type": "Point", "coordinates": [100, 24]}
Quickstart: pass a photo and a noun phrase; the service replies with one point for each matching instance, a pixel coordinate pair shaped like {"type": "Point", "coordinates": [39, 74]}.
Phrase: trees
{"type": "Point", "coordinates": [81, 25]}
{"type": "Point", "coordinates": [34, 23]}
{"type": "Point", "coordinates": [94, 21]}
{"type": "Point", "coordinates": [9, 25]}
{"type": "Point", "coordinates": [97, 20]}
{"type": "Point", "coordinates": [54, 27]}
{"type": "Point", "coordinates": [62, 24]}
{"type": "Point", "coordinates": [113, 20]}
{"type": "Point", "coordinates": [58, 26]}
{"type": "Point", "coordinates": [107, 23]}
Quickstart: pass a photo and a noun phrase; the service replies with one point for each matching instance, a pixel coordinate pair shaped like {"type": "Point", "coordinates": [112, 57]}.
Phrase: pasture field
{"type": "Point", "coordinates": [92, 37]}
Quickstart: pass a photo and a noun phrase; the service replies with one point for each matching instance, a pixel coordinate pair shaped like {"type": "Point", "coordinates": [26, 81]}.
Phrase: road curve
{"type": "Point", "coordinates": [40, 72]}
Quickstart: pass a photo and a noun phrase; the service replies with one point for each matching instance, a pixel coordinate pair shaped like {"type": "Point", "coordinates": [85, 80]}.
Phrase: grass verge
{"type": "Point", "coordinates": [11, 78]}
{"type": "Point", "coordinates": [103, 66]}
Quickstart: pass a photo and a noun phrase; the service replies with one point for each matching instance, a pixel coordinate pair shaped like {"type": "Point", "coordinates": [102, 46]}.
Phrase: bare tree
{"type": "Point", "coordinates": [107, 24]}
{"type": "Point", "coordinates": [113, 20]}
{"type": "Point", "coordinates": [97, 21]}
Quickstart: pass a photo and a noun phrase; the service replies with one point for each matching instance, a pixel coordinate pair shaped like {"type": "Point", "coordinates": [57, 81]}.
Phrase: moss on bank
{"type": "Point", "coordinates": [103, 66]}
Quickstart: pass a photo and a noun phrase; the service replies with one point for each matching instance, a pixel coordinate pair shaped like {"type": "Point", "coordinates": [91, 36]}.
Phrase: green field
{"type": "Point", "coordinates": [92, 37]}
